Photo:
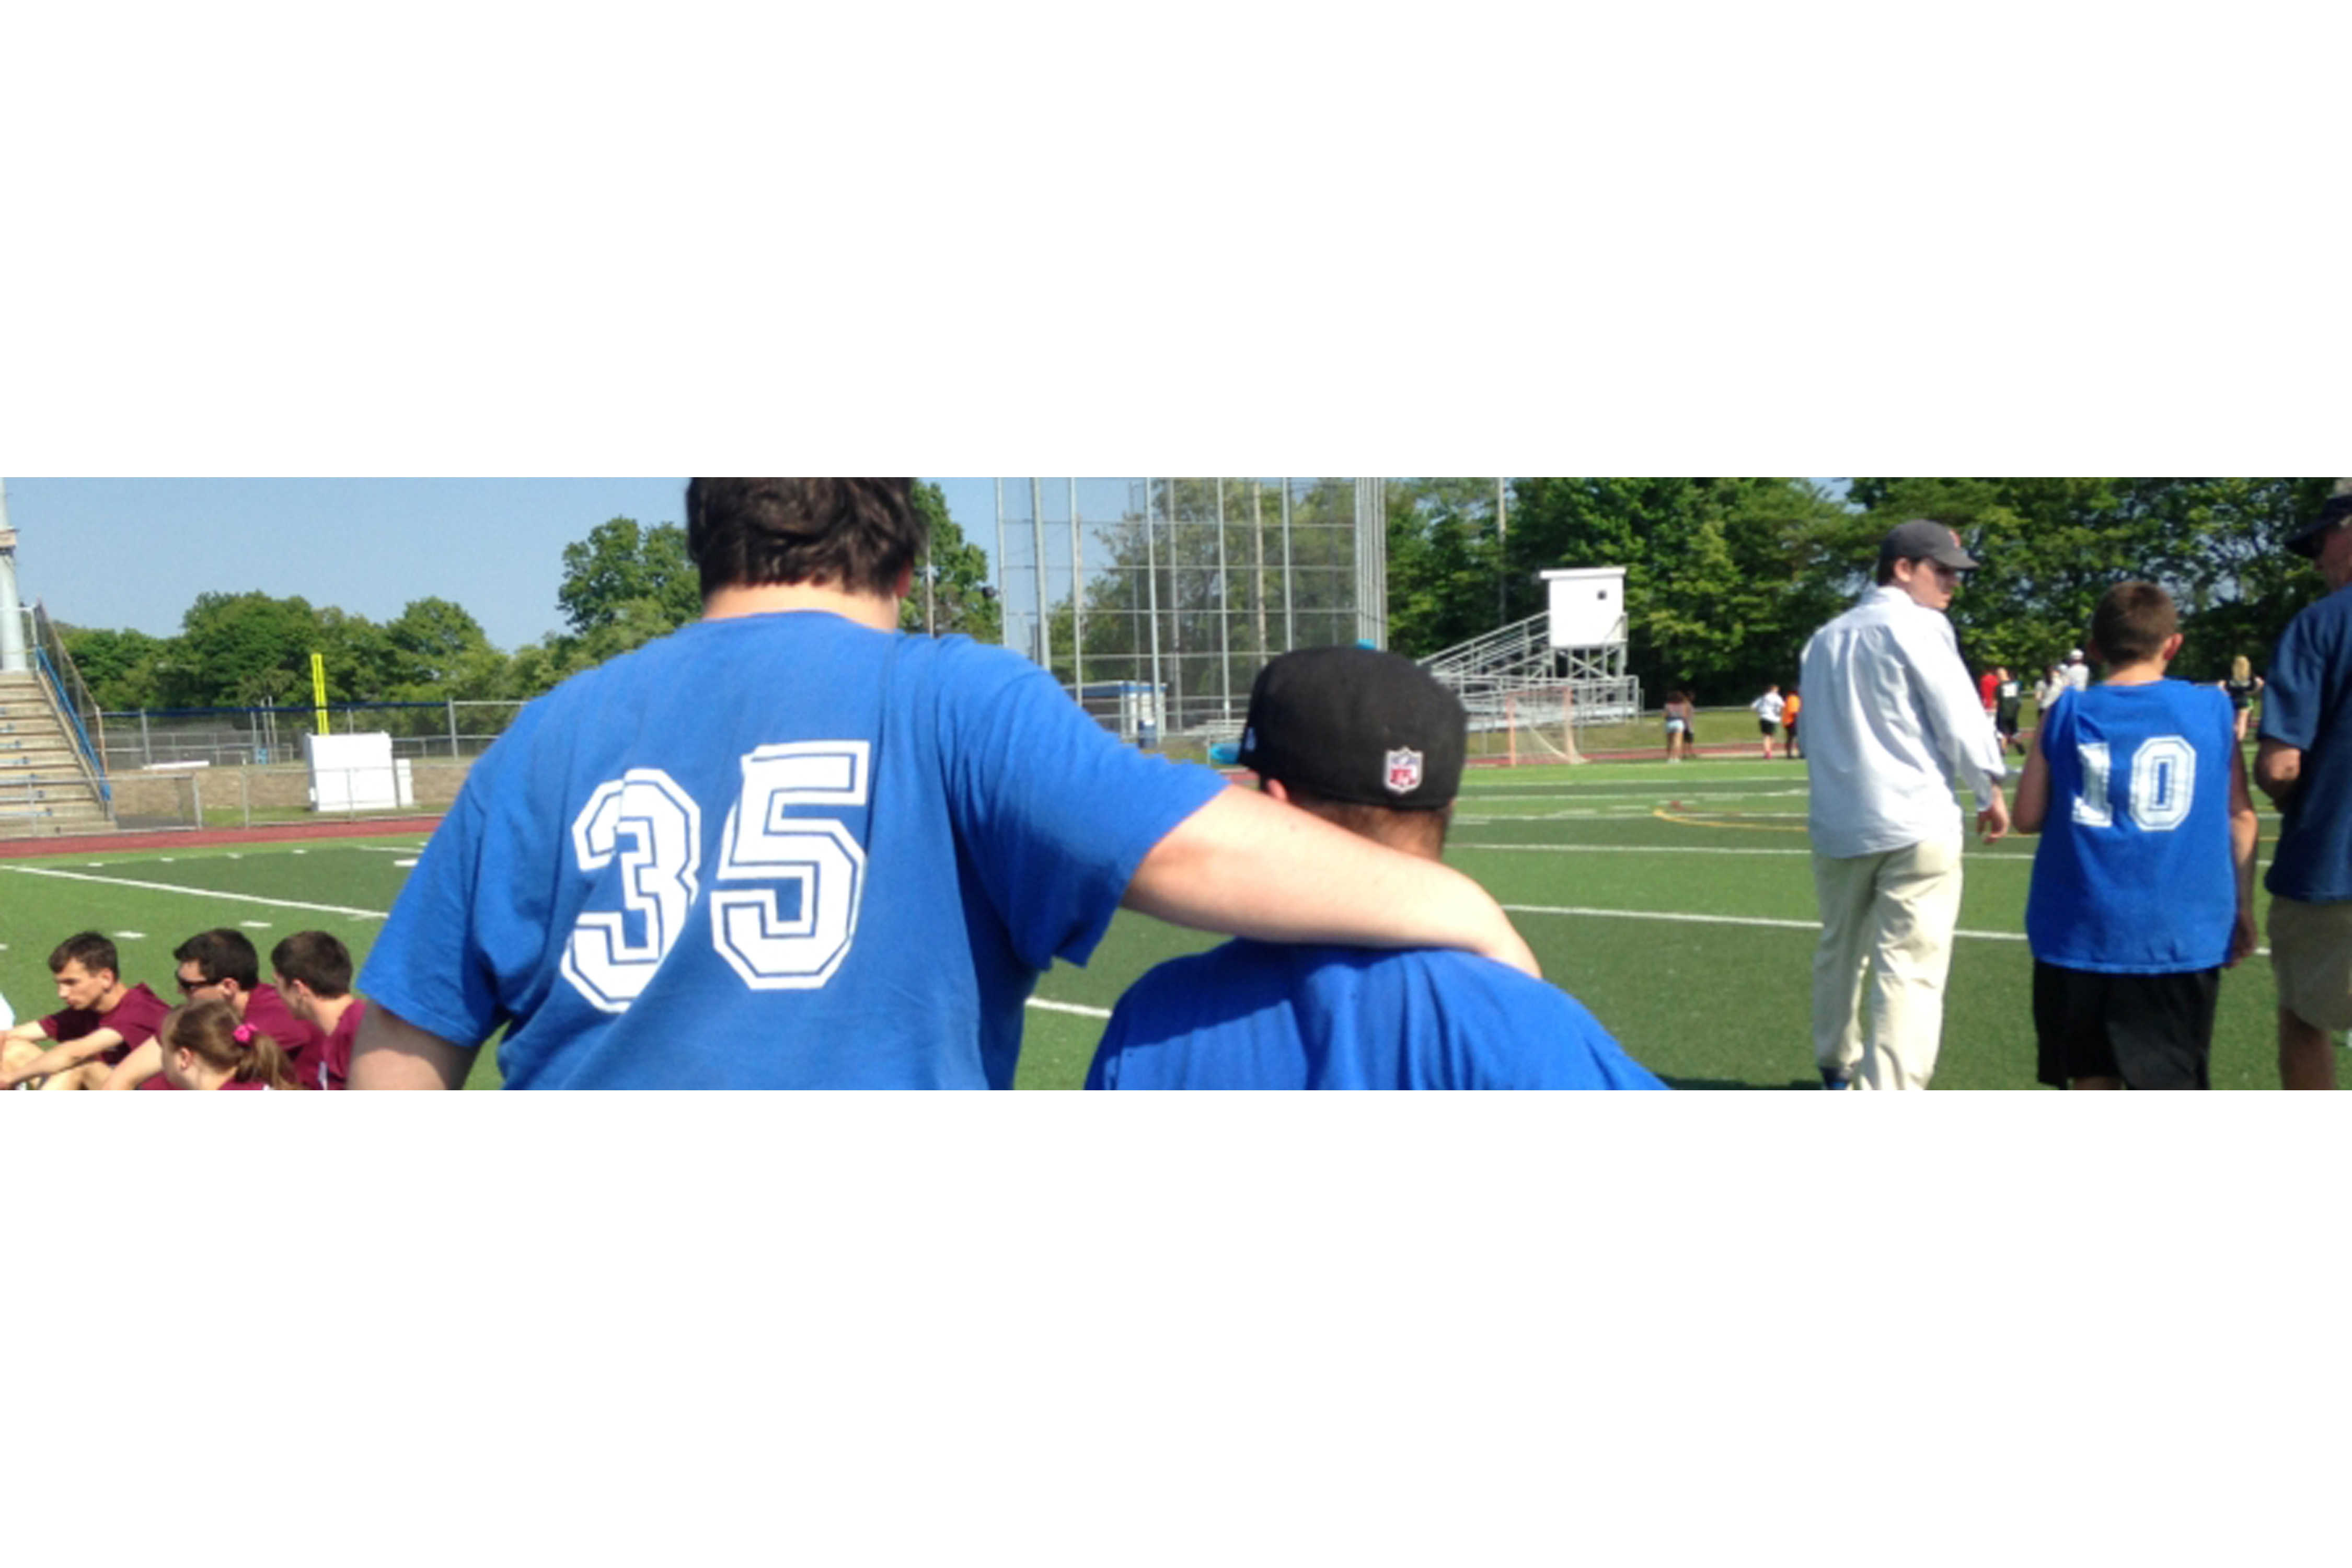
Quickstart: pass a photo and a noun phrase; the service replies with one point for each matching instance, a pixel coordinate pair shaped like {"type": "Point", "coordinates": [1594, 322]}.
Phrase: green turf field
{"type": "Point", "coordinates": [1675, 901]}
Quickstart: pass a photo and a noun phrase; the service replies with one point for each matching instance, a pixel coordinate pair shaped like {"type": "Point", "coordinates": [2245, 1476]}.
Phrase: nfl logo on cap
{"type": "Point", "coordinates": [1404, 771]}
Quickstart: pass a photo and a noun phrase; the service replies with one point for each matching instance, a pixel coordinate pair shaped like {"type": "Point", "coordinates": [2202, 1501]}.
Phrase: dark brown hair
{"type": "Point", "coordinates": [221, 954]}
{"type": "Point", "coordinates": [2132, 622]}
{"type": "Point", "coordinates": [209, 1028]}
{"type": "Point", "coordinates": [90, 949]}
{"type": "Point", "coordinates": [858, 535]}
{"type": "Point", "coordinates": [315, 958]}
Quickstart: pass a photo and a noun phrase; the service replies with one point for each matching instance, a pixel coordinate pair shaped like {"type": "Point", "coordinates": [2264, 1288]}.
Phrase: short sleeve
{"type": "Point", "coordinates": [1055, 811]}
{"type": "Point", "coordinates": [425, 967]}
{"type": "Point", "coordinates": [2293, 700]}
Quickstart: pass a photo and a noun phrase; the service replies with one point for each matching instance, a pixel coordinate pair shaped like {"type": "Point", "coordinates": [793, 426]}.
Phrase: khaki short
{"type": "Point", "coordinates": [2311, 954]}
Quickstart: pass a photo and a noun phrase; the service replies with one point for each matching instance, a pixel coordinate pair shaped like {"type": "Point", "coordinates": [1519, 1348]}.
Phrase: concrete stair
{"type": "Point", "coordinates": [44, 791]}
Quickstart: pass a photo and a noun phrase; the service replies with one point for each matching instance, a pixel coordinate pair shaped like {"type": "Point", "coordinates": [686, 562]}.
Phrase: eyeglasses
{"type": "Point", "coordinates": [190, 987]}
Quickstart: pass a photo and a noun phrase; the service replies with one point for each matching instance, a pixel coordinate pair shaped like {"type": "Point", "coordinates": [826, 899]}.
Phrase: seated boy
{"type": "Point", "coordinates": [102, 1022]}
{"type": "Point", "coordinates": [1372, 742]}
{"type": "Point", "coordinates": [2143, 887]}
{"type": "Point", "coordinates": [222, 962]}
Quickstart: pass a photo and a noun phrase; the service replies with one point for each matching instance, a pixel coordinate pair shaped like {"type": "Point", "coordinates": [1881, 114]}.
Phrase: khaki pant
{"type": "Point", "coordinates": [1886, 921]}
{"type": "Point", "coordinates": [2311, 955]}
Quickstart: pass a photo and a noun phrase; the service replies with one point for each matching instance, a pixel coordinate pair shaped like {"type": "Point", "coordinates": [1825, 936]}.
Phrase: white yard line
{"type": "Point", "coordinates": [1974, 857]}
{"type": "Point", "coordinates": [195, 892]}
{"type": "Point", "coordinates": [1813, 925]}
{"type": "Point", "coordinates": [1043, 1005]}
{"type": "Point", "coordinates": [1749, 921]}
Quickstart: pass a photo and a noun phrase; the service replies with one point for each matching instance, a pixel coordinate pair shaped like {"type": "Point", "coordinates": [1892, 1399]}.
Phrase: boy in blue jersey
{"type": "Point", "coordinates": [1372, 742]}
{"type": "Point", "coordinates": [2144, 886]}
{"type": "Point", "coordinates": [790, 846]}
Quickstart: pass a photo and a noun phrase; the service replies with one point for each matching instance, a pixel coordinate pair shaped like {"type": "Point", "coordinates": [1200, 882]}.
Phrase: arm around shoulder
{"type": "Point", "coordinates": [1250, 866]}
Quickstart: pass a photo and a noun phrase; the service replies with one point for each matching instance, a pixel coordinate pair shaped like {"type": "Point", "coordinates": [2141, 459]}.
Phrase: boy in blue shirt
{"type": "Point", "coordinates": [1371, 742]}
{"type": "Point", "coordinates": [2144, 885]}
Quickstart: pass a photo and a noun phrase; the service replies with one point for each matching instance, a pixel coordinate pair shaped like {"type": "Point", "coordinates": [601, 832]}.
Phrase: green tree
{"type": "Point", "coordinates": [362, 664]}
{"type": "Point", "coordinates": [1446, 577]}
{"type": "Point", "coordinates": [620, 564]}
{"type": "Point", "coordinates": [959, 597]}
{"type": "Point", "coordinates": [239, 649]}
{"type": "Point", "coordinates": [119, 666]}
{"type": "Point", "coordinates": [2052, 546]}
{"type": "Point", "coordinates": [444, 653]}
{"type": "Point", "coordinates": [1725, 578]}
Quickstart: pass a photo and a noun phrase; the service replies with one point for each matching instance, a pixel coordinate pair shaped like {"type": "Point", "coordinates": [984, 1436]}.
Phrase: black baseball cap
{"type": "Point", "coordinates": [2305, 540]}
{"type": "Point", "coordinates": [1357, 724]}
{"type": "Point", "coordinates": [1920, 540]}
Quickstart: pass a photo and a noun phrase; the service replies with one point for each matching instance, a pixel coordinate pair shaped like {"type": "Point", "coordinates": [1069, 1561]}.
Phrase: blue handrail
{"type": "Point", "coordinates": [81, 736]}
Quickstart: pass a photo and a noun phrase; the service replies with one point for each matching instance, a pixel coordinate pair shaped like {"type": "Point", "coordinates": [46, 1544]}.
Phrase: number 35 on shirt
{"type": "Point", "coordinates": [653, 827]}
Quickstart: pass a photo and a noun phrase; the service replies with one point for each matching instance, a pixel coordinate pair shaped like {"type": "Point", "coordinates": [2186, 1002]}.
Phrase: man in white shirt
{"type": "Point", "coordinates": [1890, 716]}
{"type": "Point", "coordinates": [2077, 673]}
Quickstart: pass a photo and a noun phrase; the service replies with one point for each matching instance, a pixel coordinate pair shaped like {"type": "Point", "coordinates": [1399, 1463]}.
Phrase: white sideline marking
{"type": "Point", "coordinates": [195, 893]}
{"type": "Point", "coordinates": [402, 865]}
{"type": "Point", "coordinates": [255, 925]}
{"type": "Point", "coordinates": [1625, 849]}
{"type": "Point", "coordinates": [1653, 795]}
{"type": "Point", "coordinates": [1976, 856]}
{"type": "Point", "coordinates": [1752, 921]}
{"type": "Point", "coordinates": [1813, 925]}
{"type": "Point", "coordinates": [1043, 1005]}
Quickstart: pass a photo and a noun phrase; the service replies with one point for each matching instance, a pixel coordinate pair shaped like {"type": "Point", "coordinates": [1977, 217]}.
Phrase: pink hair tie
{"type": "Point", "coordinates": [242, 1033]}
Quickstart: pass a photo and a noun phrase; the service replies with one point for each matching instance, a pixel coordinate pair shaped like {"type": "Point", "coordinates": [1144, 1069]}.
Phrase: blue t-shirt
{"type": "Point", "coordinates": [2135, 874]}
{"type": "Point", "coordinates": [2307, 704]}
{"type": "Point", "coordinates": [1251, 1015]}
{"type": "Point", "coordinates": [778, 851]}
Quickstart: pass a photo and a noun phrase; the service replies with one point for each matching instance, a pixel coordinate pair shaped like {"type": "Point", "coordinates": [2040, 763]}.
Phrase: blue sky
{"type": "Point", "coordinates": [133, 555]}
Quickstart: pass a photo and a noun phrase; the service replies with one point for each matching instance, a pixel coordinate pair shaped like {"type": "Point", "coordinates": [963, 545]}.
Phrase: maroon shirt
{"type": "Point", "coordinates": [338, 1057]}
{"type": "Point", "coordinates": [304, 1046]}
{"type": "Point", "coordinates": [136, 1018]}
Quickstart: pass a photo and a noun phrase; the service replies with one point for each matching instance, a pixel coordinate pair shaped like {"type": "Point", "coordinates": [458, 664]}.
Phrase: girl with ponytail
{"type": "Point", "coordinates": [207, 1046]}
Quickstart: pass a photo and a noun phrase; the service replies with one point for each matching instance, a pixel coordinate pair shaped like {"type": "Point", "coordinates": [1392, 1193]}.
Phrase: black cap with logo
{"type": "Point", "coordinates": [1356, 724]}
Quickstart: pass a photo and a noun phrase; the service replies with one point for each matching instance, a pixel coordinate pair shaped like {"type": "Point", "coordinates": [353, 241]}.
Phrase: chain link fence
{"type": "Point", "coordinates": [228, 767]}
{"type": "Point", "coordinates": [1154, 602]}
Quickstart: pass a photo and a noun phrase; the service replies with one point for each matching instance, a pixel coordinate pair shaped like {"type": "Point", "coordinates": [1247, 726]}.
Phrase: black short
{"type": "Point", "coordinates": [1769, 727]}
{"type": "Point", "coordinates": [2153, 1031]}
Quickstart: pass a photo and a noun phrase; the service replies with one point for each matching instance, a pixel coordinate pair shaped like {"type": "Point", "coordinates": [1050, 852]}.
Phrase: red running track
{"type": "Point", "coordinates": [189, 837]}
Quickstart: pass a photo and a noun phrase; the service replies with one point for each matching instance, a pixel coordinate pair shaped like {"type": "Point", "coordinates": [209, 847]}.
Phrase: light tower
{"type": "Point", "coordinates": [11, 609]}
